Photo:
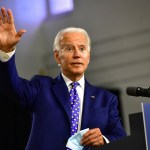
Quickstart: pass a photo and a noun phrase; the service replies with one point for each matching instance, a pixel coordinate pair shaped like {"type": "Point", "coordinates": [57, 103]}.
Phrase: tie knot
{"type": "Point", "coordinates": [74, 84]}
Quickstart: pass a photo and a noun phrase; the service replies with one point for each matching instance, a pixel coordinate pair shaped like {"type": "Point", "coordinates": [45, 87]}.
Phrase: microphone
{"type": "Point", "coordinates": [138, 91]}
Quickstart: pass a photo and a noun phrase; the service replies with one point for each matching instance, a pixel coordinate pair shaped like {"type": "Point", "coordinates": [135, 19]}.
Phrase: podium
{"type": "Point", "coordinates": [135, 141]}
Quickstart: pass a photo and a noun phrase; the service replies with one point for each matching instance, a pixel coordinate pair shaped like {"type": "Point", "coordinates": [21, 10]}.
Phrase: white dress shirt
{"type": "Point", "coordinates": [4, 57]}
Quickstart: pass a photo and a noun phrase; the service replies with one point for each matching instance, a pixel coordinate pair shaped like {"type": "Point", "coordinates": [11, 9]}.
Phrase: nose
{"type": "Point", "coordinates": [76, 52]}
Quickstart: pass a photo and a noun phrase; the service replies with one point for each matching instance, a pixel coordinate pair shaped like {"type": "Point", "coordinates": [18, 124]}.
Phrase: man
{"type": "Point", "coordinates": [48, 99]}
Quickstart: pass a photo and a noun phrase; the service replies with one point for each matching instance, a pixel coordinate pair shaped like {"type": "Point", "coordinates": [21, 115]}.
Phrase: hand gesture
{"type": "Point", "coordinates": [8, 35]}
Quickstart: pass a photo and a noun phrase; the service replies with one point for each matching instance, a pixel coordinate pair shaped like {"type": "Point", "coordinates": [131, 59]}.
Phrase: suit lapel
{"type": "Point", "coordinates": [89, 99]}
{"type": "Point", "coordinates": [63, 98]}
{"type": "Point", "coordinates": [61, 92]}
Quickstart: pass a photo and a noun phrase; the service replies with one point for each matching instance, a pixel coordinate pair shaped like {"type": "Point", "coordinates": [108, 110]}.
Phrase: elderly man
{"type": "Point", "coordinates": [66, 105]}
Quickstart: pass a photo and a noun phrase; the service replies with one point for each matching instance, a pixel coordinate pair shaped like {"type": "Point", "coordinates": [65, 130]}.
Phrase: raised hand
{"type": "Point", "coordinates": [9, 37]}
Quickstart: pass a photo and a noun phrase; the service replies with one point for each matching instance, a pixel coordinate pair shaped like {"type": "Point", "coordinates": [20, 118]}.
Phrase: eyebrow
{"type": "Point", "coordinates": [73, 45]}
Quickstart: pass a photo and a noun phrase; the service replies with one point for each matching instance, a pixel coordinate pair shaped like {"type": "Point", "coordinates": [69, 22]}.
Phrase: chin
{"type": "Point", "coordinates": [78, 72]}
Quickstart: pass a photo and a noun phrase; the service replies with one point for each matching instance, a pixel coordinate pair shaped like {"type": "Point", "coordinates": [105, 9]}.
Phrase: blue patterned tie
{"type": "Point", "coordinates": [75, 107]}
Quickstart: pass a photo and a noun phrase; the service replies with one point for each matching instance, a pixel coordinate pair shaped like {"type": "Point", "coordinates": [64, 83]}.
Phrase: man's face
{"type": "Point", "coordinates": [74, 55]}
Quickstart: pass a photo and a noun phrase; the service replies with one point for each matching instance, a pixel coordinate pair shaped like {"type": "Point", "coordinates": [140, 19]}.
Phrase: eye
{"type": "Point", "coordinates": [82, 49]}
{"type": "Point", "coordinates": [68, 48]}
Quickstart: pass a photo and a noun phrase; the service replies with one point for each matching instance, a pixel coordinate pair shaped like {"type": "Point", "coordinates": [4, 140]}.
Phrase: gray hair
{"type": "Point", "coordinates": [59, 36]}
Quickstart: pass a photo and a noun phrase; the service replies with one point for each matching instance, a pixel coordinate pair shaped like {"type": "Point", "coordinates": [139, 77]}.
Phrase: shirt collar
{"type": "Point", "coordinates": [68, 81]}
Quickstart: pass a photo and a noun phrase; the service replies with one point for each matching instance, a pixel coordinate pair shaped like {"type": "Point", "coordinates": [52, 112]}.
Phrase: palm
{"type": "Point", "coordinates": [7, 36]}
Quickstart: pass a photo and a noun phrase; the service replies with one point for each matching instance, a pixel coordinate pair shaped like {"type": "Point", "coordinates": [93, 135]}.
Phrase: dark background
{"type": "Point", "coordinates": [15, 123]}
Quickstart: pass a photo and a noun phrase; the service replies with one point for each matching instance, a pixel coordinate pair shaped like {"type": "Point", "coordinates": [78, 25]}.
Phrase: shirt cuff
{"type": "Point", "coordinates": [106, 140]}
{"type": "Point", "coordinates": [4, 57]}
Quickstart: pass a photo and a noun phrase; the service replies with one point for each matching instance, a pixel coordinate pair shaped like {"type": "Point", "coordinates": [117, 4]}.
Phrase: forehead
{"type": "Point", "coordinates": [73, 38]}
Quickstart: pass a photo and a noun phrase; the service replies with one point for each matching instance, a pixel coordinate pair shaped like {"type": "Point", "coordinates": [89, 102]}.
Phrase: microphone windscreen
{"type": "Point", "coordinates": [132, 91]}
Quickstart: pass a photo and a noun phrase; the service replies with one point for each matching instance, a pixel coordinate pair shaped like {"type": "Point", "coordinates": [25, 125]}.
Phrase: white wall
{"type": "Point", "coordinates": [120, 33]}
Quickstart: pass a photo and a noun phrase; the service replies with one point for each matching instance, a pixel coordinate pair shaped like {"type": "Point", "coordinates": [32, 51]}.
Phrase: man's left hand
{"type": "Point", "coordinates": [93, 138]}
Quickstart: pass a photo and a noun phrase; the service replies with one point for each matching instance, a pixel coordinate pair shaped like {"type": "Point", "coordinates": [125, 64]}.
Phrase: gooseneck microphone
{"type": "Point", "coordinates": [138, 91]}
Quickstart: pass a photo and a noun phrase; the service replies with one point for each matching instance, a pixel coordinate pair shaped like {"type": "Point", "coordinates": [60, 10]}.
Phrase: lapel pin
{"type": "Point", "coordinates": [93, 97]}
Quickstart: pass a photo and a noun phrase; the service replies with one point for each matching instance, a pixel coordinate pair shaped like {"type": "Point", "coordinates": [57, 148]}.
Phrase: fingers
{"type": "Point", "coordinates": [20, 33]}
{"type": "Point", "coordinates": [98, 142]}
{"type": "Point", "coordinates": [10, 17]}
{"type": "Point", "coordinates": [6, 16]}
{"type": "Point", "coordinates": [92, 137]}
{"type": "Point", "coordinates": [1, 20]}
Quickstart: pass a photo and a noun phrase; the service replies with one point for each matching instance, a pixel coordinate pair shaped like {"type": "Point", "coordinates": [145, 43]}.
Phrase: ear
{"type": "Point", "coordinates": [56, 56]}
{"type": "Point", "coordinates": [89, 58]}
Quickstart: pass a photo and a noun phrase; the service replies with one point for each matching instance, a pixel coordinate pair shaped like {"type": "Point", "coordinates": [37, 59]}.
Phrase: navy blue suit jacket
{"type": "Point", "coordinates": [47, 100]}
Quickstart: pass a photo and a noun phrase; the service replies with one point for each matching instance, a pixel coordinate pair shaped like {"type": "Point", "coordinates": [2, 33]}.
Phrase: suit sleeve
{"type": "Point", "coordinates": [16, 87]}
{"type": "Point", "coordinates": [115, 129]}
